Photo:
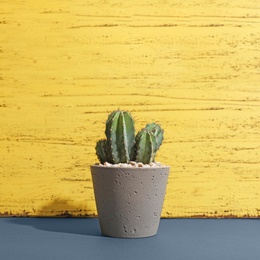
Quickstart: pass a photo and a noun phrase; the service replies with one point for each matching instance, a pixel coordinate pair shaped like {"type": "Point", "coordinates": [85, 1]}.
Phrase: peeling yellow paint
{"type": "Point", "coordinates": [191, 66]}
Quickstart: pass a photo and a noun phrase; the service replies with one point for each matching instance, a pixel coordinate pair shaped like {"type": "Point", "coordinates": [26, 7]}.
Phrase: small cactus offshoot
{"type": "Point", "coordinates": [122, 146]}
{"type": "Point", "coordinates": [148, 142]}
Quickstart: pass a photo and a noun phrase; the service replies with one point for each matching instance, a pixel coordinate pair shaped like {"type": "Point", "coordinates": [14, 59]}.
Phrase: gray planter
{"type": "Point", "coordinates": [129, 200]}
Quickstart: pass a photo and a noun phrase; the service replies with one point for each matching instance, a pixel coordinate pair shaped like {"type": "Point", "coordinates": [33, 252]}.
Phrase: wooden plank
{"type": "Point", "coordinates": [191, 66]}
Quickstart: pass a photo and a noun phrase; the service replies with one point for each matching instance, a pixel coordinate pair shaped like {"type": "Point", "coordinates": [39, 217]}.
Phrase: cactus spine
{"type": "Point", "coordinates": [121, 145]}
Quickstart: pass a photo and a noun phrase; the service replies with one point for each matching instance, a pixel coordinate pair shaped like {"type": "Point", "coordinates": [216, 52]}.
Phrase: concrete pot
{"type": "Point", "coordinates": [129, 200]}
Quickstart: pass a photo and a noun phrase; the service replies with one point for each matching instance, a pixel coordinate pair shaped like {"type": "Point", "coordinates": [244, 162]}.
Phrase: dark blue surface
{"type": "Point", "coordinates": [72, 239]}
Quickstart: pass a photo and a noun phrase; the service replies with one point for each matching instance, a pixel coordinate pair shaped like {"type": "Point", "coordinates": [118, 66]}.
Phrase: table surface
{"type": "Point", "coordinates": [80, 238]}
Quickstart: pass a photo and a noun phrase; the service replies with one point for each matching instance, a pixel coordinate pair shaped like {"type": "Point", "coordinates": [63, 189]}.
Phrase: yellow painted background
{"type": "Point", "coordinates": [191, 66]}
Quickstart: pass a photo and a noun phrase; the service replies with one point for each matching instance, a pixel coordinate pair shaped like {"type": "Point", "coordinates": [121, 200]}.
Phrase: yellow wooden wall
{"type": "Point", "coordinates": [192, 66]}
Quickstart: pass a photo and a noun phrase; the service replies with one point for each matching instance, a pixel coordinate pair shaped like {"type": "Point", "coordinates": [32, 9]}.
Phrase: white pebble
{"type": "Point", "coordinates": [123, 164]}
{"type": "Point", "coordinates": [107, 164]}
{"type": "Point", "coordinates": [153, 164]}
{"type": "Point", "coordinates": [115, 165]}
{"type": "Point", "coordinates": [139, 164]}
{"type": "Point", "coordinates": [133, 163]}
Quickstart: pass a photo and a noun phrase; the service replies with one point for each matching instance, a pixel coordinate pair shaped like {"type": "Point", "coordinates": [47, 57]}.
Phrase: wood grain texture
{"type": "Point", "coordinates": [192, 66]}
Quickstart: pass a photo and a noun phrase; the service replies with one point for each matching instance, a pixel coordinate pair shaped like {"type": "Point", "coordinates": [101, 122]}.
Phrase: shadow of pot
{"type": "Point", "coordinates": [129, 200]}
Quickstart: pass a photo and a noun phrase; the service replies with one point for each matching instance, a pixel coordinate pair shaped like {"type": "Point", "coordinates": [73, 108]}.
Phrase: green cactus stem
{"type": "Point", "coordinates": [145, 147]}
{"type": "Point", "coordinates": [120, 135]}
{"type": "Point", "coordinates": [148, 142]}
{"type": "Point", "coordinates": [157, 131]}
{"type": "Point", "coordinates": [101, 150]}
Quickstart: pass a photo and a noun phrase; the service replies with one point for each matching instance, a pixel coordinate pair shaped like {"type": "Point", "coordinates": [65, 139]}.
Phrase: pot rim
{"type": "Point", "coordinates": [125, 167]}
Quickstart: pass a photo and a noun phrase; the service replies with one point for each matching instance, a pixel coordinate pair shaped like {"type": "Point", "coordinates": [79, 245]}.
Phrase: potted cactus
{"type": "Point", "coordinates": [129, 186]}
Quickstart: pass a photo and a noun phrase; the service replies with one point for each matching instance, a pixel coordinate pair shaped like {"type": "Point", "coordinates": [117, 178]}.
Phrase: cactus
{"type": "Point", "coordinates": [101, 150]}
{"type": "Point", "coordinates": [157, 131]}
{"type": "Point", "coordinates": [120, 135]}
{"type": "Point", "coordinates": [145, 147]}
{"type": "Point", "coordinates": [121, 145]}
{"type": "Point", "coordinates": [148, 142]}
